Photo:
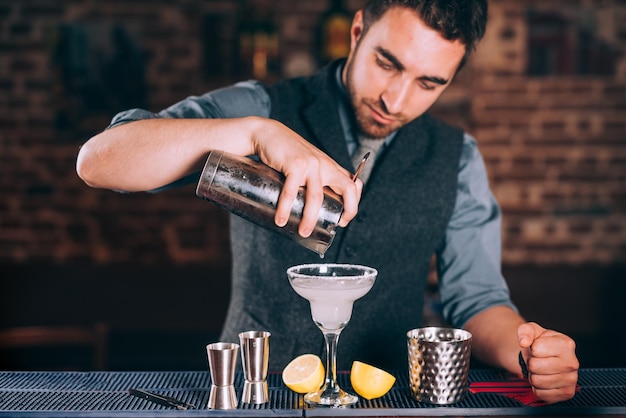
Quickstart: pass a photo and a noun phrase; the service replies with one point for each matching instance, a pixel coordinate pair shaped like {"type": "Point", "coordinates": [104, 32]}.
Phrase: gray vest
{"type": "Point", "coordinates": [402, 219]}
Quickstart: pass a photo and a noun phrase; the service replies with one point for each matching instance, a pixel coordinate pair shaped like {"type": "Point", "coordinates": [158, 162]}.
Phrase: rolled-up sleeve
{"type": "Point", "coordinates": [246, 98]}
{"type": "Point", "coordinates": [469, 261]}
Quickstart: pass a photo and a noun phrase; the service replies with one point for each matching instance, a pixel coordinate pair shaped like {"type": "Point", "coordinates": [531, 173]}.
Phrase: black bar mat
{"type": "Point", "coordinates": [50, 394]}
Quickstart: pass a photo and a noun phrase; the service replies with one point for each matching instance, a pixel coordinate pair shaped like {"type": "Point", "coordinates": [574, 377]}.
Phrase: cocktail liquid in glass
{"type": "Point", "coordinates": [331, 290]}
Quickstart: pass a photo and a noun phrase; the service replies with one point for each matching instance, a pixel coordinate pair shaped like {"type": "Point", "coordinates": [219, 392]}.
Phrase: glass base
{"type": "Point", "coordinates": [334, 397]}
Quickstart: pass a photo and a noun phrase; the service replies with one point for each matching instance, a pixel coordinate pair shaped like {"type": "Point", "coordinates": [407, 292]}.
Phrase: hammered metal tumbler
{"type": "Point", "coordinates": [439, 361]}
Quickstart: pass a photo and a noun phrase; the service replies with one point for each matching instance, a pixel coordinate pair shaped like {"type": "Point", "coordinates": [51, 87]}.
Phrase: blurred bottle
{"type": "Point", "coordinates": [258, 42]}
{"type": "Point", "coordinates": [334, 33]}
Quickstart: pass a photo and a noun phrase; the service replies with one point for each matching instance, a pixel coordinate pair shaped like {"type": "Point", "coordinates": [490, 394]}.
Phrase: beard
{"type": "Point", "coordinates": [365, 124]}
{"type": "Point", "coordinates": [369, 127]}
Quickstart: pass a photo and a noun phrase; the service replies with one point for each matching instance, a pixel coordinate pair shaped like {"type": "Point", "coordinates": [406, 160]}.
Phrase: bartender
{"type": "Point", "coordinates": [427, 192]}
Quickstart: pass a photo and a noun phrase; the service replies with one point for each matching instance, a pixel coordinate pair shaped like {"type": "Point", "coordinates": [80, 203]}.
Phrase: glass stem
{"type": "Point", "coordinates": [331, 359]}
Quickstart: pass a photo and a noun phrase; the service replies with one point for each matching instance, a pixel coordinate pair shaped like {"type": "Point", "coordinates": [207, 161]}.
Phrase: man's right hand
{"type": "Point", "coordinates": [304, 165]}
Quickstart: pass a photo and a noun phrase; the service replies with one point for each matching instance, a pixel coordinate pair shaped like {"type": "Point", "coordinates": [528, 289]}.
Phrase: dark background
{"type": "Point", "coordinates": [545, 95]}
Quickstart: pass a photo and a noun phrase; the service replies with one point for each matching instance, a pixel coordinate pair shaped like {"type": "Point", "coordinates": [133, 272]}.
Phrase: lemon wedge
{"type": "Point", "coordinates": [370, 382]}
{"type": "Point", "coordinates": [304, 373]}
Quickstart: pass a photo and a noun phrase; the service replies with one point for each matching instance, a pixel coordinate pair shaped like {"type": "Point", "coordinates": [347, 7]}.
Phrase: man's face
{"type": "Point", "coordinates": [397, 70]}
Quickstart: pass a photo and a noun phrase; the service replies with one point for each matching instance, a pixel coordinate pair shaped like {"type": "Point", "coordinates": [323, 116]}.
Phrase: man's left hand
{"type": "Point", "coordinates": [551, 360]}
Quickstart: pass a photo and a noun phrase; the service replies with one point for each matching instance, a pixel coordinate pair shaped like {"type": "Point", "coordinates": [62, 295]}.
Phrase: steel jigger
{"type": "Point", "coordinates": [222, 361]}
{"type": "Point", "coordinates": [255, 350]}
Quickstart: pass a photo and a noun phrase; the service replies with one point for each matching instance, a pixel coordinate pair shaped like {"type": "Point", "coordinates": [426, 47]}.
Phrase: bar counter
{"type": "Point", "coordinates": [105, 394]}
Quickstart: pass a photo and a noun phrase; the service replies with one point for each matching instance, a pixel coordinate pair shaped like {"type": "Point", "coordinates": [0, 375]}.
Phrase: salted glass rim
{"type": "Point", "coordinates": [350, 271]}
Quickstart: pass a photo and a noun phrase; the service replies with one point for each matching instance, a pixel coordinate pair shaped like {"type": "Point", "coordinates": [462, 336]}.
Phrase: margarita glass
{"type": "Point", "coordinates": [331, 290]}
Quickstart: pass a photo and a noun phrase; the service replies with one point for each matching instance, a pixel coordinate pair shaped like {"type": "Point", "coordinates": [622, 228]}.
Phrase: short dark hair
{"type": "Point", "coordinates": [465, 20]}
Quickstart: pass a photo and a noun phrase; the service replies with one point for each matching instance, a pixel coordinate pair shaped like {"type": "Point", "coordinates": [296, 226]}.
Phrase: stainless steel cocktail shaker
{"type": "Point", "coordinates": [250, 189]}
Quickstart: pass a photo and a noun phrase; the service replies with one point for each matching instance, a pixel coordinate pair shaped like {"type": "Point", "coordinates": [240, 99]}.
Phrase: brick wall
{"type": "Point", "coordinates": [555, 146]}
